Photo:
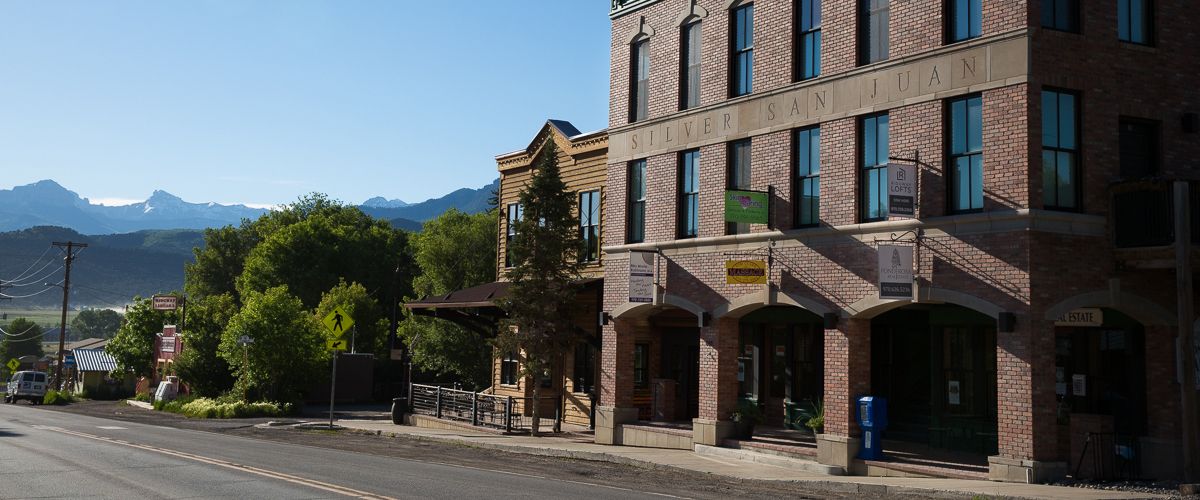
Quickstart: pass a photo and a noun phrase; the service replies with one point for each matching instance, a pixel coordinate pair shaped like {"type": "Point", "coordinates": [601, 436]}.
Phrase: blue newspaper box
{"type": "Point", "coordinates": [872, 417]}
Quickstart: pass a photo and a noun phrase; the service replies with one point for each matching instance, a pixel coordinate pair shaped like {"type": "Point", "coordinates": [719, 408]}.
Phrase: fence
{"type": "Point", "coordinates": [506, 413]}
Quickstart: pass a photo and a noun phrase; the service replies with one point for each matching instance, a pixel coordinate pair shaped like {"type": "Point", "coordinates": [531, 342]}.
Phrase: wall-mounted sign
{"type": "Point", "coordinates": [745, 272]}
{"type": "Point", "coordinates": [895, 272]}
{"type": "Point", "coordinates": [953, 391]}
{"type": "Point", "coordinates": [1078, 385]}
{"type": "Point", "coordinates": [165, 302]}
{"type": "Point", "coordinates": [902, 189]}
{"type": "Point", "coordinates": [747, 206]}
{"type": "Point", "coordinates": [1084, 316]}
{"type": "Point", "coordinates": [641, 277]}
{"type": "Point", "coordinates": [168, 344]}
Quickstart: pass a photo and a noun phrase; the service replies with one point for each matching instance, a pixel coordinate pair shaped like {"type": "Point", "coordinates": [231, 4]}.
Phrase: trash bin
{"type": "Point", "coordinates": [399, 409]}
{"type": "Point", "coordinates": [872, 417]}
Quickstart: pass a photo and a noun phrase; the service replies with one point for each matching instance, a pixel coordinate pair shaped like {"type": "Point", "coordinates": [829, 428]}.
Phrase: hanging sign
{"type": "Point", "coordinates": [895, 272]}
{"type": "Point", "coordinates": [1084, 316]}
{"type": "Point", "coordinates": [745, 272]}
{"type": "Point", "coordinates": [641, 277]}
{"type": "Point", "coordinates": [902, 190]}
{"type": "Point", "coordinates": [747, 206]}
{"type": "Point", "coordinates": [165, 302]}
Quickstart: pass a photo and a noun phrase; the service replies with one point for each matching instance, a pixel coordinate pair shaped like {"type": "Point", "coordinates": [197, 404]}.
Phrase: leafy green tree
{"type": "Point", "coordinates": [95, 323]}
{"type": "Point", "coordinates": [288, 350]}
{"type": "Point", "coordinates": [199, 364]}
{"type": "Point", "coordinates": [24, 338]}
{"type": "Point", "coordinates": [220, 262]}
{"type": "Point", "coordinates": [133, 345]}
{"type": "Point", "coordinates": [446, 349]}
{"type": "Point", "coordinates": [544, 275]}
{"type": "Point", "coordinates": [370, 325]}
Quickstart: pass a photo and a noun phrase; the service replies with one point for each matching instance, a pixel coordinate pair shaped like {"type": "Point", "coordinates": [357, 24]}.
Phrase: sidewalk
{"type": "Point", "coordinates": [583, 448]}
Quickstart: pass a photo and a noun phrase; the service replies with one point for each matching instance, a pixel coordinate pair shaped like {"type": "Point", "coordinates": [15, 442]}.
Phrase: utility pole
{"type": "Point", "coordinates": [1183, 286]}
{"type": "Point", "coordinates": [62, 331]}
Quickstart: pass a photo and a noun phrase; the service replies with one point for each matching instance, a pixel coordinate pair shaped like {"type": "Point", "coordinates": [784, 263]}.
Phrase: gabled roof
{"type": "Point", "coordinates": [94, 360]}
{"type": "Point", "coordinates": [568, 134]}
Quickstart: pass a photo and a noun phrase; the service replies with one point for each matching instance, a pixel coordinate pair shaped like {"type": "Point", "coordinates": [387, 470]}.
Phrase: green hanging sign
{"type": "Point", "coordinates": [747, 206]}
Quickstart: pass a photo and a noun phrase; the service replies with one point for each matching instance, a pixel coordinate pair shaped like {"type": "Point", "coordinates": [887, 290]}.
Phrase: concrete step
{"type": "Point", "coordinates": [797, 464]}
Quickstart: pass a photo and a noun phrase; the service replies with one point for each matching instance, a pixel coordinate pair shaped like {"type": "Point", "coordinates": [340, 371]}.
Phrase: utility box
{"type": "Point", "coordinates": [872, 417]}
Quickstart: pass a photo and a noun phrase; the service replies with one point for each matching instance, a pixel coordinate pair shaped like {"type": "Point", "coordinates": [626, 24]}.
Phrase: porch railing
{"type": "Point", "coordinates": [506, 413]}
{"type": "Point", "coordinates": [1143, 213]}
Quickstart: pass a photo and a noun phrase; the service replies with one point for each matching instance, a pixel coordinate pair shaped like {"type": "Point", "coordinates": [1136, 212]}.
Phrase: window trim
{"type": "Point", "coordinates": [950, 155]}
{"type": "Point", "coordinates": [864, 171]}
{"type": "Point", "coordinates": [632, 203]}
{"type": "Point", "coordinates": [799, 36]}
{"type": "Point", "coordinates": [685, 197]}
{"type": "Point", "coordinates": [1078, 151]}
{"type": "Point", "coordinates": [735, 55]}
{"type": "Point", "coordinates": [798, 180]}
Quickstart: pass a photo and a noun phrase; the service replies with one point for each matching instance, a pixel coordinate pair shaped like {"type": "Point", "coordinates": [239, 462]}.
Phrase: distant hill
{"type": "Point", "coordinates": [407, 225]}
{"type": "Point", "coordinates": [381, 202]}
{"type": "Point", "coordinates": [467, 200]}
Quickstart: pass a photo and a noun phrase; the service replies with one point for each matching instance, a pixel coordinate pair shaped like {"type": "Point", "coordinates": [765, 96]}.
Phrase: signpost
{"type": "Point", "coordinates": [895, 272]}
{"type": "Point", "coordinates": [747, 206]}
{"type": "Point", "coordinates": [745, 272]}
{"type": "Point", "coordinates": [902, 190]}
{"type": "Point", "coordinates": [641, 277]}
{"type": "Point", "coordinates": [337, 321]}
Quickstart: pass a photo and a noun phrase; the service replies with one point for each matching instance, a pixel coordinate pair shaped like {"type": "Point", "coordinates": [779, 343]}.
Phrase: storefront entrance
{"type": "Point", "coordinates": [781, 362]}
{"type": "Point", "coordinates": [680, 368]}
{"type": "Point", "coordinates": [936, 365]}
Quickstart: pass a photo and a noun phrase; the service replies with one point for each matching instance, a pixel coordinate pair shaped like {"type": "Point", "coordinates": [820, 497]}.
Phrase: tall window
{"type": "Point", "coordinates": [515, 212]}
{"type": "Point", "coordinates": [738, 177]}
{"type": "Point", "coordinates": [1062, 15]}
{"type": "Point", "coordinates": [1060, 149]}
{"type": "Point", "coordinates": [808, 177]}
{"type": "Point", "coordinates": [1139, 148]}
{"type": "Point", "coordinates": [742, 67]}
{"type": "Point", "coordinates": [584, 377]}
{"type": "Point", "coordinates": [637, 202]}
{"type": "Point", "coordinates": [872, 31]}
{"type": "Point", "coordinates": [509, 367]}
{"type": "Point", "coordinates": [639, 88]}
{"type": "Point", "coordinates": [689, 84]}
{"type": "Point", "coordinates": [1135, 21]}
{"type": "Point", "coordinates": [873, 144]}
{"type": "Point", "coordinates": [964, 18]}
{"type": "Point", "coordinates": [641, 365]}
{"type": "Point", "coordinates": [589, 225]}
{"type": "Point", "coordinates": [966, 154]}
{"type": "Point", "coordinates": [689, 193]}
{"type": "Point", "coordinates": [808, 39]}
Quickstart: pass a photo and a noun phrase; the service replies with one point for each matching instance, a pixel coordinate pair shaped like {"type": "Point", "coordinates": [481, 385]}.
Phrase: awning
{"type": "Point", "coordinates": [475, 308]}
{"type": "Point", "coordinates": [94, 360]}
{"type": "Point", "coordinates": [483, 295]}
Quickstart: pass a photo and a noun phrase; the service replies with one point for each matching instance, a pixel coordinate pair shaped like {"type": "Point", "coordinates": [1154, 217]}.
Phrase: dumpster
{"type": "Point", "coordinates": [872, 417]}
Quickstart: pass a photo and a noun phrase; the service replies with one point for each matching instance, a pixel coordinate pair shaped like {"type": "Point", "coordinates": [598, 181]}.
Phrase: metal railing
{"type": "Point", "coordinates": [506, 413]}
{"type": "Point", "coordinates": [1143, 213]}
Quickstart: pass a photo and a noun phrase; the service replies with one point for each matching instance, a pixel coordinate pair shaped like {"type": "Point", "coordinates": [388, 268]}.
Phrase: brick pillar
{"type": "Point", "coordinates": [1161, 448]}
{"type": "Point", "coordinates": [847, 376]}
{"type": "Point", "coordinates": [718, 381]}
{"type": "Point", "coordinates": [616, 381]}
{"type": "Point", "coordinates": [1027, 428]}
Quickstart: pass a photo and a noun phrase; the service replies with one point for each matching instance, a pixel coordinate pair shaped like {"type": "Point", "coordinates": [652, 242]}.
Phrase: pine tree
{"type": "Point", "coordinates": [543, 277]}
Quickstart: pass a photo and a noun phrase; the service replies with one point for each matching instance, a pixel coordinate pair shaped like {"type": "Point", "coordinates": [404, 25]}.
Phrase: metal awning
{"type": "Point", "coordinates": [94, 360]}
{"type": "Point", "coordinates": [483, 295]}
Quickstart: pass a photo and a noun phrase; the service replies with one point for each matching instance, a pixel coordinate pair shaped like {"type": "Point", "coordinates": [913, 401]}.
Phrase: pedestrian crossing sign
{"type": "Point", "coordinates": [336, 345]}
{"type": "Point", "coordinates": [337, 322]}
{"type": "Point", "coordinates": [13, 364]}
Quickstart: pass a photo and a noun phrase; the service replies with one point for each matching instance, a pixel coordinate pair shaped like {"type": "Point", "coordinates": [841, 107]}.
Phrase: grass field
{"type": "Point", "coordinates": [46, 318]}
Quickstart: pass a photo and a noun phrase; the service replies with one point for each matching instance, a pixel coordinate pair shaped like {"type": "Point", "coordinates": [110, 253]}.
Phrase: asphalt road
{"type": "Point", "coordinates": [49, 454]}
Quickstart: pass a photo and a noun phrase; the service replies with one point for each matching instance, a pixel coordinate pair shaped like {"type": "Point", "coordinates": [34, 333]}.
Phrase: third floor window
{"type": "Point", "coordinates": [808, 39]}
{"type": "Point", "coordinates": [1061, 15]}
{"type": "Point", "coordinates": [872, 31]}
{"type": "Point", "coordinates": [742, 65]}
{"type": "Point", "coordinates": [689, 84]}
{"type": "Point", "coordinates": [964, 19]}
{"type": "Point", "coordinates": [589, 225]}
{"type": "Point", "coordinates": [1135, 21]}
{"type": "Point", "coordinates": [807, 185]}
{"type": "Point", "coordinates": [639, 85]}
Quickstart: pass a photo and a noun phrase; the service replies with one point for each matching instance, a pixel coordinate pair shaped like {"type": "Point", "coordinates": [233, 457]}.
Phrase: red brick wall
{"type": "Point", "coordinates": [718, 369]}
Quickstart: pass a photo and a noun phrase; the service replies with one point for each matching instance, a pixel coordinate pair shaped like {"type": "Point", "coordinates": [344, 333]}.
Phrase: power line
{"type": "Point", "coordinates": [35, 262]}
{"type": "Point", "coordinates": [35, 281]}
{"type": "Point", "coordinates": [6, 296]}
{"type": "Point", "coordinates": [7, 334]}
{"type": "Point", "coordinates": [27, 274]}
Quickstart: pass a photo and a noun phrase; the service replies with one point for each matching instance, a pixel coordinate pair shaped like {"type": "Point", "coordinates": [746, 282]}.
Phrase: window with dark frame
{"type": "Point", "coordinates": [873, 156]}
{"type": "Point", "coordinates": [1061, 15]}
{"type": "Point", "coordinates": [807, 190]}
{"type": "Point", "coordinates": [589, 225]}
{"type": "Point", "coordinates": [966, 154]}
{"type": "Point", "coordinates": [738, 177]}
{"type": "Point", "coordinates": [742, 66]}
{"type": "Point", "coordinates": [1060, 150]}
{"type": "Point", "coordinates": [873, 31]}
{"type": "Point", "coordinates": [689, 72]}
{"type": "Point", "coordinates": [964, 19]}
{"type": "Point", "coordinates": [1135, 21]}
{"type": "Point", "coordinates": [583, 378]}
{"type": "Point", "coordinates": [808, 39]}
{"type": "Point", "coordinates": [689, 193]}
{"type": "Point", "coordinates": [1139, 148]}
{"type": "Point", "coordinates": [509, 368]}
{"type": "Point", "coordinates": [639, 88]}
{"type": "Point", "coordinates": [636, 232]}
{"type": "Point", "coordinates": [514, 214]}
{"type": "Point", "coordinates": [641, 365]}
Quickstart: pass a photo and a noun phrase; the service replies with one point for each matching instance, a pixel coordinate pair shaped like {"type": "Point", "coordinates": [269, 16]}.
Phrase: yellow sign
{"type": "Point", "coordinates": [338, 322]}
{"type": "Point", "coordinates": [337, 345]}
{"type": "Point", "coordinates": [745, 272]}
{"type": "Point", "coordinates": [13, 364]}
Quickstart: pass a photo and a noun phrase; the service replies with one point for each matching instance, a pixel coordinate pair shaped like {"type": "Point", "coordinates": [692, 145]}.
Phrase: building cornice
{"type": "Point", "coordinates": [622, 7]}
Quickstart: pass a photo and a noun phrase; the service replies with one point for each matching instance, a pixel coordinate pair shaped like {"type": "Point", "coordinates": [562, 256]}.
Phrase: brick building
{"type": "Point", "coordinates": [1054, 144]}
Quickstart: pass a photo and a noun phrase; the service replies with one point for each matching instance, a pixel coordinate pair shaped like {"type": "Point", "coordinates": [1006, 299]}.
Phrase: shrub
{"type": "Point", "coordinates": [58, 398]}
{"type": "Point", "coordinates": [214, 408]}
{"type": "Point", "coordinates": [142, 396]}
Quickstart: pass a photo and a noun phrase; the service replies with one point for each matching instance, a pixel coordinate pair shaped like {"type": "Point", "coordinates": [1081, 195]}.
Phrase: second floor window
{"type": "Point", "coordinates": [1061, 15]}
{"type": "Point", "coordinates": [1135, 21]}
{"type": "Point", "coordinates": [873, 147]}
{"type": "Point", "coordinates": [738, 177]}
{"type": "Point", "coordinates": [872, 31]}
{"type": "Point", "coordinates": [509, 369]}
{"type": "Point", "coordinates": [689, 194]}
{"type": "Point", "coordinates": [510, 227]}
{"type": "Point", "coordinates": [689, 84]}
{"type": "Point", "coordinates": [742, 65]}
{"type": "Point", "coordinates": [964, 18]}
{"type": "Point", "coordinates": [637, 202]}
{"type": "Point", "coordinates": [589, 225]}
{"type": "Point", "coordinates": [1060, 150]}
{"type": "Point", "coordinates": [808, 39]}
{"type": "Point", "coordinates": [639, 86]}
{"type": "Point", "coordinates": [1139, 148]}
{"type": "Point", "coordinates": [807, 185]}
{"type": "Point", "coordinates": [966, 154]}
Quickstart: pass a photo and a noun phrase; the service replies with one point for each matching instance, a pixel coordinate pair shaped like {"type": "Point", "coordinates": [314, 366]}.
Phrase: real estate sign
{"type": "Point", "coordinates": [641, 277]}
{"type": "Point", "coordinates": [747, 206]}
{"type": "Point", "coordinates": [895, 272]}
{"type": "Point", "coordinates": [902, 189]}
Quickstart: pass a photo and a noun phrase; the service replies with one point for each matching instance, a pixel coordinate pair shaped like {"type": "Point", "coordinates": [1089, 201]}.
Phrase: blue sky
{"type": "Point", "coordinates": [262, 101]}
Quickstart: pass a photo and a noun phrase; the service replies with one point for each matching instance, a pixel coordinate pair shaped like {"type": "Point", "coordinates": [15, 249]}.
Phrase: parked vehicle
{"type": "Point", "coordinates": [28, 385]}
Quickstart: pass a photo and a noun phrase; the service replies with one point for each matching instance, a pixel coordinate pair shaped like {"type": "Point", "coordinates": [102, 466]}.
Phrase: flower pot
{"type": "Point", "coordinates": [743, 429]}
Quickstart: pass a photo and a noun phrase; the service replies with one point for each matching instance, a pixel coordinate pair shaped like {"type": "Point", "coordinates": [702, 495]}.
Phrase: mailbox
{"type": "Point", "coordinates": [872, 417]}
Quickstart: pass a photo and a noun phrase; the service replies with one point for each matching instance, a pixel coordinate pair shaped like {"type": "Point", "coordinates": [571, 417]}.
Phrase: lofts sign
{"type": "Point", "coordinates": [895, 272]}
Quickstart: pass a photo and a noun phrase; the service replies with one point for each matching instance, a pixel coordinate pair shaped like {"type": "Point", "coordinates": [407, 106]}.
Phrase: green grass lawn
{"type": "Point", "coordinates": [47, 318]}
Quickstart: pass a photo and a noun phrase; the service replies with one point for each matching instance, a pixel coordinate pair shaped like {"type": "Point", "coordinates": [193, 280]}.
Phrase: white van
{"type": "Point", "coordinates": [26, 385]}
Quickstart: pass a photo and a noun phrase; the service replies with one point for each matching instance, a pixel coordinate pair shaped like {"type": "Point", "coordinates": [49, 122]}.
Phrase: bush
{"type": "Point", "coordinates": [142, 396]}
{"type": "Point", "coordinates": [58, 398]}
{"type": "Point", "coordinates": [214, 408]}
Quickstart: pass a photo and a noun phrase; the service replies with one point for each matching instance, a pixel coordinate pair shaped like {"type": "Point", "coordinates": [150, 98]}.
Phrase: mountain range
{"type": "Point", "coordinates": [46, 203]}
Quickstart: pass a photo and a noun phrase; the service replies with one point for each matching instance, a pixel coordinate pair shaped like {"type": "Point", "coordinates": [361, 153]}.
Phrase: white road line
{"type": "Point", "coordinates": [112, 427]}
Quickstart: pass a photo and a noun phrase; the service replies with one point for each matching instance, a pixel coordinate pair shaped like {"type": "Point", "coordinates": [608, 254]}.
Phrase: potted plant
{"type": "Point", "coordinates": [811, 416]}
{"type": "Point", "coordinates": [745, 417]}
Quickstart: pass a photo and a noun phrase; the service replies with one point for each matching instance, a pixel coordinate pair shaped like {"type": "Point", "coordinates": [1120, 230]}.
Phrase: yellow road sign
{"type": "Point", "coordinates": [337, 345]}
{"type": "Point", "coordinates": [338, 322]}
{"type": "Point", "coordinates": [13, 364]}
